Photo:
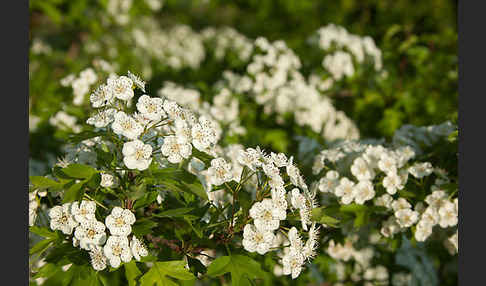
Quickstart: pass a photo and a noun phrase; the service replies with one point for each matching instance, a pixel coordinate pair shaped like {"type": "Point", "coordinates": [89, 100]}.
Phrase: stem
{"type": "Point", "coordinates": [96, 202]}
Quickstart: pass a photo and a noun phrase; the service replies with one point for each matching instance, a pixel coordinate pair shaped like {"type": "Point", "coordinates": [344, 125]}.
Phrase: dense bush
{"type": "Point", "coordinates": [268, 142]}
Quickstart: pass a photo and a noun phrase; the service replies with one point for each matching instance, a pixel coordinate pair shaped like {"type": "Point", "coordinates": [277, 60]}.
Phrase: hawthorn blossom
{"type": "Point", "coordinates": [361, 170]}
{"type": "Point", "coordinates": [150, 107]}
{"type": "Point", "coordinates": [219, 172]}
{"type": "Point", "coordinates": [345, 190]}
{"type": "Point", "coordinates": [90, 232]}
{"type": "Point", "coordinates": [62, 219]}
{"type": "Point", "coordinates": [176, 152]}
{"type": "Point", "coordinates": [137, 155]}
{"type": "Point", "coordinates": [329, 183]}
{"type": "Point", "coordinates": [122, 87]}
{"type": "Point", "coordinates": [266, 216]}
{"type": "Point", "coordinates": [102, 96]}
{"type": "Point", "coordinates": [406, 217]}
{"type": "Point", "coordinates": [363, 192]}
{"type": "Point", "coordinates": [392, 182]}
{"type": "Point", "coordinates": [292, 263]}
{"type": "Point", "coordinates": [83, 211]}
{"type": "Point", "coordinates": [138, 249]}
{"type": "Point", "coordinates": [102, 118]}
{"type": "Point", "coordinates": [257, 240]}
{"type": "Point", "coordinates": [97, 257]}
{"type": "Point", "coordinates": [120, 221]}
{"type": "Point", "coordinates": [117, 249]}
{"type": "Point", "coordinates": [125, 125]}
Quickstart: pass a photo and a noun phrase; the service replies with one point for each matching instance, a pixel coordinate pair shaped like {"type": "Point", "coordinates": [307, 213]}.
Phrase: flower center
{"type": "Point", "coordinates": [117, 250]}
{"type": "Point", "coordinates": [119, 222]}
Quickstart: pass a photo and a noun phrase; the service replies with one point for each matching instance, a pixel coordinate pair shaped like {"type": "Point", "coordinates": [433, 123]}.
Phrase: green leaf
{"type": "Point", "coordinates": [161, 271]}
{"type": "Point", "coordinates": [146, 200]}
{"type": "Point", "coordinates": [143, 226]}
{"type": "Point", "coordinates": [180, 212]}
{"type": "Point", "coordinates": [241, 267]}
{"type": "Point", "coordinates": [43, 182]}
{"type": "Point", "coordinates": [41, 246]}
{"type": "Point", "coordinates": [319, 215]}
{"type": "Point", "coordinates": [43, 231]}
{"type": "Point", "coordinates": [132, 272]}
{"type": "Point", "coordinates": [74, 193]}
{"type": "Point", "coordinates": [79, 171]}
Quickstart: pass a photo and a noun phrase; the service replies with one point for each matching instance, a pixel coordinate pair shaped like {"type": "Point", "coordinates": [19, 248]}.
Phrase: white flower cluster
{"type": "Point", "coordinates": [274, 80]}
{"type": "Point", "coordinates": [340, 63]}
{"type": "Point", "coordinates": [375, 165]}
{"type": "Point", "coordinates": [90, 234]}
{"type": "Point", "coordinates": [157, 124]}
{"type": "Point", "coordinates": [363, 269]}
{"type": "Point", "coordinates": [224, 40]}
{"type": "Point", "coordinates": [119, 10]}
{"type": "Point", "coordinates": [81, 84]}
{"type": "Point", "coordinates": [273, 201]}
{"type": "Point", "coordinates": [64, 121]}
{"type": "Point", "coordinates": [177, 47]}
{"type": "Point", "coordinates": [223, 113]}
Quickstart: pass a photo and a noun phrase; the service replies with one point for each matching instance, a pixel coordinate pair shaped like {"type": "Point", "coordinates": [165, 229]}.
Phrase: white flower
{"type": "Point", "coordinates": [430, 217]}
{"type": "Point", "coordinates": [292, 263]}
{"type": "Point", "coordinates": [266, 216]}
{"type": "Point", "coordinates": [310, 247]}
{"type": "Point", "coordinates": [126, 126]}
{"type": "Point", "coordinates": [330, 182]}
{"type": "Point", "coordinates": [400, 203]}
{"type": "Point", "coordinates": [339, 251]}
{"type": "Point", "coordinates": [138, 249]}
{"type": "Point", "coordinates": [90, 232]}
{"type": "Point", "coordinates": [384, 200]}
{"type": "Point", "coordinates": [102, 118]}
{"type": "Point", "coordinates": [387, 164]}
{"type": "Point", "coordinates": [345, 190]}
{"type": "Point", "coordinates": [137, 155]}
{"type": "Point", "coordinates": [361, 170]}
{"type": "Point", "coordinates": [117, 250]}
{"type": "Point", "coordinates": [88, 75]}
{"type": "Point", "coordinates": [420, 170]}
{"type": "Point", "coordinates": [250, 158]}
{"type": "Point", "coordinates": [423, 231]}
{"type": "Point", "coordinates": [448, 215]}
{"type": "Point", "coordinates": [294, 175]}
{"type": "Point", "coordinates": [219, 172]}
{"type": "Point", "coordinates": [257, 240]}
{"type": "Point", "coordinates": [83, 211]}
{"type": "Point", "coordinates": [61, 218]}
{"type": "Point", "coordinates": [406, 217]}
{"type": "Point", "coordinates": [390, 227]}
{"type": "Point", "coordinates": [454, 240]}
{"type": "Point", "coordinates": [120, 221]}
{"type": "Point", "coordinates": [363, 192]}
{"type": "Point", "coordinates": [203, 135]}
{"type": "Point", "coordinates": [121, 87]}
{"type": "Point", "coordinates": [151, 108]}
{"type": "Point", "coordinates": [280, 160]}
{"type": "Point", "coordinates": [175, 151]}
{"type": "Point", "coordinates": [107, 180]}
{"type": "Point", "coordinates": [297, 199]}
{"type": "Point", "coordinates": [137, 81]}
{"type": "Point", "coordinates": [436, 199]}
{"type": "Point", "coordinates": [392, 182]}
{"type": "Point", "coordinates": [102, 96]}
{"type": "Point", "coordinates": [98, 258]}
